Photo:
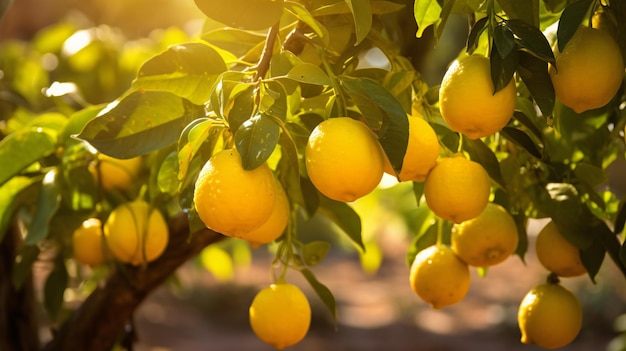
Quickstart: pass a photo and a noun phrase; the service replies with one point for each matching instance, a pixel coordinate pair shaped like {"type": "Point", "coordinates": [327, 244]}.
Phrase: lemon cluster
{"type": "Point", "coordinates": [247, 204]}
{"type": "Point", "coordinates": [133, 233]}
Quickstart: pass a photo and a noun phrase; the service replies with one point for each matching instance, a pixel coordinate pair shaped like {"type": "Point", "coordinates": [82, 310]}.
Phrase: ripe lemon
{"type": "Point", "coordinates": [118, 174]}
{"type": "Point", "coordinates": [467, 101]}
{"type": "Point", "coordinates": [457, 189]}
{"type": "Point", "coordinates": [280, 315]}
{"type": "Point", "coordinates": [589, 71]}
{"type": "Point", "coordinates": [87, 243]}
{"type": "Point", "coordinates": [275, 225]}
{"type": "Point", "coordinates": [557, 254]}
{"type": "Point", "coordinates": [549, 316]}
{"type": "Point", "coordinates": [421, 152]}
{"type": "Point", "coordinates": [136, 233]}
{"type": "Point", "coordinates": [231, 200]}
{"type": "Point", "coordinates": [439, 277]}
{"type": "Point", "coordinates": [487, 239]}
{"type": "Point", "coordinates": [344, 159]}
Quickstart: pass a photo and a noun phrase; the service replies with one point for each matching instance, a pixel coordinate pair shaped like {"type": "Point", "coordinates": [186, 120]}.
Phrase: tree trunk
{"type": "Point", "coordinates": [101, 319]}
{"type": "Point", "coordinates": [18, 320]}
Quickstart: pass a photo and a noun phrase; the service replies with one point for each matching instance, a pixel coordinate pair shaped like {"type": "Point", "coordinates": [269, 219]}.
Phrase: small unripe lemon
{"type": "Point", "coordinates": [88, 242]}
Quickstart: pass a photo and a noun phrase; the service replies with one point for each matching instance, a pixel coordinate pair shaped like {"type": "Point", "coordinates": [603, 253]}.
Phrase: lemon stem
{"type": "Point", "coordinates": [460, 148]}
{"type": "Point", "coordinates": [439, 231]}
{"type": "Point", "coordinates": [340, 101]}
{"type": "Point", "coordinates": [552, 278]}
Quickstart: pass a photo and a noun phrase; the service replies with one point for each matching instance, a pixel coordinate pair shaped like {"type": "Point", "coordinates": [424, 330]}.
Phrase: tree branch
{"type": "Point", "coordinates": [100, 320]}
{"type": "Point", "coordinates": [266, 56]}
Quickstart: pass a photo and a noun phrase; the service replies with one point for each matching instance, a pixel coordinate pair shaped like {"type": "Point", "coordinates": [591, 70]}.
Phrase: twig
{"type": "Point", "coordinates": [266, 56]}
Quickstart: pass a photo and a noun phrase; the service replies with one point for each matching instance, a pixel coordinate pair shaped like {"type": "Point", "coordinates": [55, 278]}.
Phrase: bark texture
{"type": "Point", "coordinates": [18, 319]}
{"type": "Point", "coordinates": [103, 316]}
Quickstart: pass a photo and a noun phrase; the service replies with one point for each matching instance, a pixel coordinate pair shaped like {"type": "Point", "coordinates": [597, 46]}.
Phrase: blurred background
{"type": "Point", "coordinates": [205, 305]}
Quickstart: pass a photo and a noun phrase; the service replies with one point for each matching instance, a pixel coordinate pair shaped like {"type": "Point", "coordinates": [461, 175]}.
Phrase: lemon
{"type": "Point", "coordinates": [275, 225]}
{"type": "Point", "coordinates": [467, 101]}
{"type": "Point", "coordinates": [549, 316]}
{"type": "Point", "coordinates": [557, 254]}
{"type": "Point", "coordinates": [457, 189]}
{"type": "Point", "coordinates": [136, 233]}
{"type": "Point", "coordinates": [87, 243]}
{"type": "Point", "coordinates": [118, 174]}
{"type": "Point", "coordinates": [439, 277]}
{"type": "Point", "coordinates": [280, 315]}
{"type": "Point", "coordinates": [231, 200]}
{"type": "Point", "coordinates": [485, 240]}
{"type": "Point", "coordinates": [421, 154]}
{"type": "Point", "coordinates": [589, 71]}
{"type": "Point", "coordinates": [344, 159]}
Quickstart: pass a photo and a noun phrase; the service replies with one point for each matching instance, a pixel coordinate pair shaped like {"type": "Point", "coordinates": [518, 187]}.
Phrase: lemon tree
{"type": "Point", "coordinates": [274, 113]}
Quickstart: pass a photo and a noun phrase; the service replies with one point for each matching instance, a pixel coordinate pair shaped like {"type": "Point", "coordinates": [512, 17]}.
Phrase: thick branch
{"type": "Point", "coordinates": [266, 56]}
{"type": "Point", "coordinates": [100, 320]}
{"type": "Point", "coordinates": [18, 320]}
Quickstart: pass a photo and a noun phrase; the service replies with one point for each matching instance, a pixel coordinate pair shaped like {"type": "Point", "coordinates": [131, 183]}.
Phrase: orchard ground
{"type": "Point", "coordinates": [375, 311]}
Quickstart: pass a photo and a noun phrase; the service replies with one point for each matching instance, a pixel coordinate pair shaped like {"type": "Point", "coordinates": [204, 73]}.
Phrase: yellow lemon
{"type": "Point", "coordinates": [231, 200]}
{"type": "Point", "coordinates": [485, 240]}
{"type": "Point", "coordinates": [467, 101]}
{"type": "Point", "coordinates": [421, 154]}
{"type": "Point", "coordinates": [549, 316]}
{"type": "Point", "coordinates": [118, 174]}
{"type": "Point", "coordinates": [344, 159]}
{"type": "Point", "coordinates": [87, 243]}
{"type": "Point", "coordinates": [275, 225]}
{"type": "Point", "coordinates": [557, 254]}
{"type": "Point", "coordinates": [589, 71]}
{"type": "Point", "coordinates": [280, 315]}
{"type": "Point", "coordinates": [457, 189]}
{"type": "Point", "coordinates": [136, 233]}
{"type": "Point", "coordinates": [439, 277]}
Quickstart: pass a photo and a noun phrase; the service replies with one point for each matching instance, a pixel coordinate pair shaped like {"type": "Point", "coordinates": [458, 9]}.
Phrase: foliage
{"type": "Point", "coordinates": [262, 83]}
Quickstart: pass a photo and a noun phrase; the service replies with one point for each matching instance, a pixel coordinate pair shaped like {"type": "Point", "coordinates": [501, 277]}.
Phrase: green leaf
{"type": "Point", "coordinates": [322, 291]}
{"type": "Point", "coordinates": [474, 35]}
{"type": "Point", "coordinates": [570, 20]}
{"type": "Point", "coordinates": [383, 113]}
{"type": "Point", "coordinates": [531, 39]}
{"type": "Point", "coordinates": [503, 39]}
{"type": "Point", "coordinates": [77, 122]}
{"type": "Point", "coordinates": [47, 205]}
{"type": "Point", "coordinates": [426, 13]}
{"type": "Point", "coordinates": [528, 123]}
{"type": "Point", "coordinates": [534, 73]}
{"type": "Point", "coordinates": [481, 153]}
{"type": "Point", "coordinates": [345, 217]}
{"type": "Point", "coordinates": [309, 73]}
{"type": "Point", "coordinates": [418, 191]}
{"type": "Point", "coordinates": [593, 256]}
{"type": "Point", "coordinates": [10, 200]}
{"type": "Point", "coordinates": [620, 218]}
{"type": "Point", "coordinates": [187, 70]}
{"type": "Point", "coordinates": [236, 41]}
{"type": "Point", "coordinates": [569, 214]}
{"type": "Point", "coordinates": [527, 11]}
{"type": "Point", "coordinates": [379, 7]}
{"type": "Point", "coordinates": [140, 123]}
{"type": "Point", "coordinates": [362, 13]}
{"type": "Point", "coordinates": [243, 14]}
{"type": "Point", "coordinates": [54, 288]}
{"type": "Point", "coordinates": [23, 148]}
{"type": "Point", "coordinates": [314, 252]}
{"type": "Point", "coordinates": [255, 140]}
{"type": "Point", "coordinates": [502, 68]}
{"type": "Point", "coordinates": [199, 137]}
{"type": "Point", "coordinates": [522, 140]}
{"type": "Point", "coordinates": [303, 14]}
{"type": "Point", "coordinates": [167, 177]}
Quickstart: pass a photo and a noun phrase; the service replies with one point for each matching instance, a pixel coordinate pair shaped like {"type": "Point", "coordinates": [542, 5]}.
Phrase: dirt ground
{"type": "Point", "coordinates": [375, 312]}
